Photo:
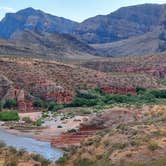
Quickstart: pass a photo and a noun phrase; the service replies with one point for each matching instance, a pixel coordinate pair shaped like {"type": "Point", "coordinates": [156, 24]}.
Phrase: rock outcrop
{"type": "Point", "coordinates": [74, 139]}
{"type": "Point", "coordinates": [50, 91]}
{"type": "Point", "coordinates": [5, 87]}
{"type": "Point", "coordinates": [118, 90]}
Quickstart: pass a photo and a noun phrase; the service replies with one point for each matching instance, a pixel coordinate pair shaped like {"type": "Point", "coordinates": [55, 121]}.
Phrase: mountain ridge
{"type": "Point", "coordinates": [137, 19]}
{"type": "Point", "coordinates": [110, 35]}
{"type": "Point", "coordinates": [31, 19]}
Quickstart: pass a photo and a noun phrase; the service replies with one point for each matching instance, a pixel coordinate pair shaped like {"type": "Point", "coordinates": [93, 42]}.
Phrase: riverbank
{"type": "Point", "coordinates": [30, 145]}
{"type": "Point", "coordinates": [38, 139]}
{"type": "Point", "coordinates": [51, 128]}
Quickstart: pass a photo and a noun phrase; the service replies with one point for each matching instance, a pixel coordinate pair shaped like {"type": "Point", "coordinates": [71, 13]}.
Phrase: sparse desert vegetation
{"type": "Point", "coordinates": [83, 94]}
{"type": "Point", "coordinates": [127, 142]}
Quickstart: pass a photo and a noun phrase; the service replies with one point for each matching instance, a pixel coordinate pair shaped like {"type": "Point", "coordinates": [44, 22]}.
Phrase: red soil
{"type": "Point", "coordinates": [117, 90]}
{"type": "Point", "coordinates": [69, 139]}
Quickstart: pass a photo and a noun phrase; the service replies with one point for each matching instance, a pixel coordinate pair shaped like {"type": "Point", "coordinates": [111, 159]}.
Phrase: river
{"type": "Point", "coordinates": [31, 145]}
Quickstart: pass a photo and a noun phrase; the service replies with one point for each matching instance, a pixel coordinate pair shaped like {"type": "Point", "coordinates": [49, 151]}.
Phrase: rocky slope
{"type": "Point", "coordinates": [152, 64]}
{"type": "Point", "coordinates": [151, 42]}
{"type": "Point", "coordinates": [46, 45]}
{"type": "Point", "coordinates": [135, 30]}
{"type": "Point", "coordinates": [53, 81]}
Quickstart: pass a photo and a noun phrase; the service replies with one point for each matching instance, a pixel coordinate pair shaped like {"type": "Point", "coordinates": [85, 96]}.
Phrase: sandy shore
{"type": "Point", "coordinates": [49, 130]}
{"type": "Point", "coordinates": [32, 115]}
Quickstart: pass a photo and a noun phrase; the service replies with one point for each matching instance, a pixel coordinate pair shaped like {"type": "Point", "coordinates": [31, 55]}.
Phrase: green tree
{"type": "Point", "coordinates": [10, 103]}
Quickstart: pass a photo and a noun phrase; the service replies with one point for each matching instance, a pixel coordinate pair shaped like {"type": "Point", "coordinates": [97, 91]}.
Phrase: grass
{"type": "Point", "coordinates": [9, 116]}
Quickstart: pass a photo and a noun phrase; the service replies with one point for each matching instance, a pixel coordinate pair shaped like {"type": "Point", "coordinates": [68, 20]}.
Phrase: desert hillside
{"type": "Point", "coordinates": [51, 80]}
{"type": "Point", "coordinates": [154, 65]}
{"type": "Point", "coordinates": [90, 93]}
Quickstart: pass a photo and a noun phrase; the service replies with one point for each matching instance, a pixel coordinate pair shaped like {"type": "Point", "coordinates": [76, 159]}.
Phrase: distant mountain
{"type": "Point", "coordinates": [121, 24]}
{"type": "Point", "coordinates": [46, 45]}
{"type": "Point", "coordinates": [150, 42]}
{"type": "Point", "coordinates": [134, 30]}
{"type": "Point", "coordinates": [31, 19]}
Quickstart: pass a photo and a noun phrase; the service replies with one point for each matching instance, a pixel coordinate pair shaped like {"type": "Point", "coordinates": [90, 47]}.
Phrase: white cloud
{"type": "Point", "coordinates": [4, 10]}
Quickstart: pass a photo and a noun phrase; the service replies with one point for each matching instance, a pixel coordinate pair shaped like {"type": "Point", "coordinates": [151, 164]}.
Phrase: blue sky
{"type": "Point", "coordinates": [77, 10]}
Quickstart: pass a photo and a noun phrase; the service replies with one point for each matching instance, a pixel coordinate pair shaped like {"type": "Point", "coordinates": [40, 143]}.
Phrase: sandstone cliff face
{"type": "Point", "coordinates": [46, 90]}
{"type": "Point", "coordinates": [50, 91]}
{"type": "Point", "coordinates": [118, 90]}
{"type": "Point", "coordinates": [5, 87]}
{"type": "Point", "coordinates": [24, 101]}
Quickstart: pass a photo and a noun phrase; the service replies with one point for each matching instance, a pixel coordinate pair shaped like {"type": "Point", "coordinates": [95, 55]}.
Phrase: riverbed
{"type": "Point", "coordinates": [31, 145]}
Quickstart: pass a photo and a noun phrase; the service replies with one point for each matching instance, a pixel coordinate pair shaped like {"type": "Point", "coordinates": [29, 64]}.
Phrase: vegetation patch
{"type": "Point", "coordinates": [153, 146]}
{"type": "Point", "coordinates": [9, 116]}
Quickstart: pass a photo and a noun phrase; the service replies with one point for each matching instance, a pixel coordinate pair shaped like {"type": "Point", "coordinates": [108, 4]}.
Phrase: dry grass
{"type": "Point", "coordinates": [133, 142]}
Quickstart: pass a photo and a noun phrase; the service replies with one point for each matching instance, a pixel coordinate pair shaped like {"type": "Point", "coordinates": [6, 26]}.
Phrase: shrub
{"type": "Point", "coordinates": [11, 103]}
{"type": "Point", "coordinates": [159, 162]}
{"type": "Point", "coordinates": [11, 160]}
{"type": "Point", "coordinates": [140, 90]}
{"type": "Point", "coordinates": [27, 120]}
{"type": "Point", "coordinates": [153, 146]}
{"type": "Point", "coordinates": [40, 159]}
{"type": "Point", "coordinates": [52, 106]}
{"type": "Point", "coordinates": [72, 131]}
{"type": "Point", "coordinates": [1, 106]}
{"type": "Point", "coordinates": [62, 161]}
{"type": "Point", "coordinates": [12, 150]}
{"type": "Point", "coordinates": [84, 162]}
{"type": "Point", "coordinates": [106, 143]}
{"type": "Point", "coordinates": [147, 97]}
{"type": "Point", "coordinates": [39, 103]}
{"type": "Point", "coordinates": [116, 98]}
{"type": "Point", "coordinates": [159, 93]}
{"type": "Point", "coordinates": [9, 116]}
{"type": "Point", "coordinates": [85, 111]}
{"type": "Point", "coordinates": [90, 94]}
{"type": "Point", "coordinates": [21, 152]}
{"type": "Point", "coordinates": [86, 95]}
{"type": "Point", "coordinates": [2, 144]}
{"type": "Point", "coordinates": [80, 102]}
{"type": "Point", "coordinates": [119, 146]}
{"type": "Point", "coordinates": [38, 122]}
{"type": "Point", "coordinates": [45, 114]}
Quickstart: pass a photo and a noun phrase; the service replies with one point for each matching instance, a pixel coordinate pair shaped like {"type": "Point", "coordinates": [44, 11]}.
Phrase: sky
{"type": "Point", "coordinates": [77, 10]}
